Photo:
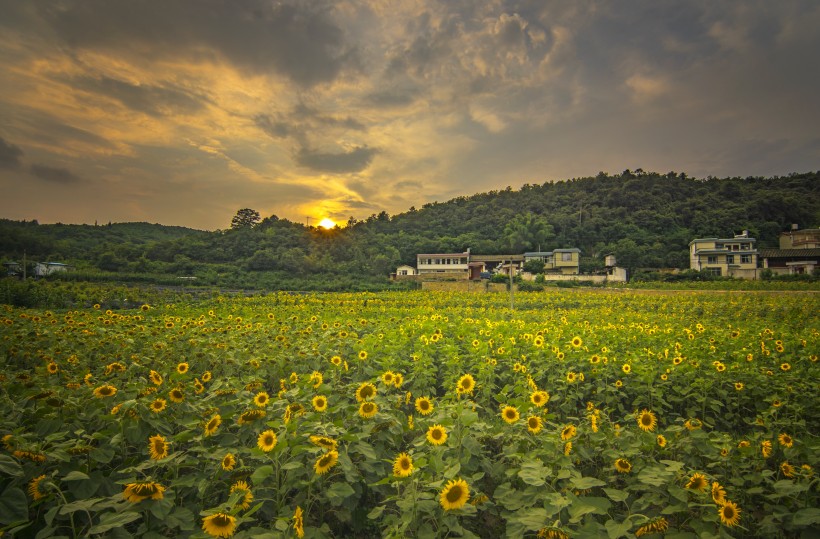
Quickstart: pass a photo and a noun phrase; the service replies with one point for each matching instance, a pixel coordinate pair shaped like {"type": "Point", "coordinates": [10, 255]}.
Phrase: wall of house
{"type": "Point", "coordinates": [464, 286]}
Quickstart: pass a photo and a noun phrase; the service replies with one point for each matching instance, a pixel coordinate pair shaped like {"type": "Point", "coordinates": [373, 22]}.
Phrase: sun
{"type": "Point", "coordinates": [327, 223]}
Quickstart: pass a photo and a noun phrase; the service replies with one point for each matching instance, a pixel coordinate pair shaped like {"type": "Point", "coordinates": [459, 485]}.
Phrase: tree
{"type": "Point", "coordinates": [245, 218]}
{"type": "Point", "coordinates": [527, 231]}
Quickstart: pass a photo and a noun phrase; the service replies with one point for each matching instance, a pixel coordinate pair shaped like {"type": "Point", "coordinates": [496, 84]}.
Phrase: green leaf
{"type": "Point", "coordinates": [9, 466]}
{"type": "Point", "coordinates": [75, 476]}
{"type": "Point", "coordinates": [376, 512]}
{"type": "Point", "coordinates": [617, 529]}
{"type": "Point", "coordinates": [338, 492]}
{"type": "Point", "coordinates": [112, 520]}
{"type": "Point", "coordinates": [292, 465]}
{"type": "Point", "coordinates": [806, 516]}
{"type": "Point", "coordinates": [181, 518]}
{"type": "Point", "coordinates": [583, 483]}
{"type": "Point", "coordinates": [79, 505]}
{"type": "Point", "coordinates": [261, 473]}
{"type": "Point", "coordinates": [533, 518]}
{"type": "Point", "coordinates": [13, 507]}
{"type": "Point", "coordinates": [533, 472]}
{"type": "Point", "coordinates": [616, 495]}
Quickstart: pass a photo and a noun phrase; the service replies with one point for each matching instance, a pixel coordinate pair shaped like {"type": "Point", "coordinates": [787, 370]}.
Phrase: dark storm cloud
{"type": "Point", "coordinates": [298, 40]}
{"type": "Point", "coordinates": [53, 174]}
{"type": "Point", "coordinates": [355, 160]}
{"type": "Point", "coordinates": [9, 155]}
{"type": "Point", "coordinates": [149, 99]}
{"type": "Point", "coordinates": [300, 122]}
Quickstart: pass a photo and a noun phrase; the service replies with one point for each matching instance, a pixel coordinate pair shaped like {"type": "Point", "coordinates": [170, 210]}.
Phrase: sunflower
{"type": "Point", "coordinates": [454, 494]}
{"type": "Point", "coordinates": [261, 399]}
{"type": "Point", "coordinates": [718, 493]}
{"type": "Point", "coordinates": [206, 376]}
{"type": "Point", "coordinates": [436, 435]}
{"type": "Point", "coordinates": [143, 490]}
{"type": "Point", "coordinates": [398, 380]}
{"type": "Point", "coordinates": [697, 482]}
{"type": "Point", "coordinates": [568, 432]}
{"type": "Point", "coordinates": [571, 376]}
{"type": "Point", "coordinates": [176, 395]}
{"type": "Point", "coordinates": [785, 367]}
{"type": "Point", "coordinates": [785, 440]}
{"type": "Point", "coordinates": [466, 384]}
{"type": "Point", "coordinates": [368, 409]}
{"type": "Point", "coordinates": [198, 387]}
{"type": "Point", "coordinates": [510, 414]}
{"type": "Point", "coordinates": [155, 377]}
{"type": "Point", "coordinates": [52, 367]}
{"type": "Point", "coordinates": [228, 462]}
{"type": "Point", "coordinates": [247, 496]}
{"type": "Point", "coordinates": [326, 462]}
{"type": "Point", "coordinates": [659, 525]}
{"type": "Point", "coordinates": [403, 465]}
{"type": "Point", "coordinates": [363, 355]}
{"type": "Point", "coordinates": [577, 342]}
{"type": "Point", "coordinates": [623, 466]}
{"type": "Point", "coordinates": [661, 440]}
{"type": "Point", "coordinates": [157, 405]}
{"type": "Point", "coordinates": [316, 378]}
{"type": "Point", "coordinates": [250, 416]}
{"type": "Point", "coordinates": [549, 532]}
{"type": "Point", "coordinates": [323, 441]}
{"type": "Point", "coordinates": [267, 441]}
{"type": "Point", "coordinates": [424, 405]}
{"type": "Point", "coordinates": [627, 368]}
{"type": "Point", "coordinates": [387, 378]}
{"type": "Point", "coordinates": [319, 403]}
{"type": "Point", "coordinates": [105, 391]}
{"type": "Point", "coordinates": [219, 525]}
{"type": "Point", "coordinates": [365, 392]}
{"type": "Point", "coordinates": [182, 368]}
{"type": "Point", "coordinates": [534, 424]}
{"type": "Point", "coordinates": [729, 514]}
{"type": "Point", "coordinates": [693, 424]}
{"type": "Point", "coordinates": [539, 398]}
{"type": "Point", "coordinates": [336, 360]}
{"type": "Point", "coordinates": [787, 469]}
{"type": "Point", "coordinates": [34, 488]}
{"type": "Point", "coordinates": [298, 523]}
{"type": "Point", "coordinates": [158, 447]}
{"type": "Point", "coordinates": [212, 425]}
{"type": "Point", "coordinates": [766, 448]}
{"type": "Point", "coordinates": [647, 420]}
{"type": "Point", "coordinates": [618, 383]}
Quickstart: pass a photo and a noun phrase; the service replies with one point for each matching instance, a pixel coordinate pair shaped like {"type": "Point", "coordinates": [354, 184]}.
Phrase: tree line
{"type": "Point", "coordinates": [645, 219]}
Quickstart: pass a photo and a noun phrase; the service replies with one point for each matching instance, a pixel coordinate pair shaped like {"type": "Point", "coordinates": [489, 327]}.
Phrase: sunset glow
{"type": "Point", "coordinates": [327, 223]}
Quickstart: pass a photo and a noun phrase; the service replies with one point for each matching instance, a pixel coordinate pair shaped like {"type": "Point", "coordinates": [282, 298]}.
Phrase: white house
{"type": "Point", "coordinates": [41, 269]}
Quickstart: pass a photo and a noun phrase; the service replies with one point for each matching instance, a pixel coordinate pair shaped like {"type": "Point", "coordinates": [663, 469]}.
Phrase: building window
{"type": "Point", "coordinates": [745, 259]}
{"type": "Point", "coordinates": [711, 260]}
{"type": "Point", "coordinates": [718, 246]}
{"type": "Point", "coordinates": [713, 271]}
{"type": "Point", "coordinates": [566, 257]}
{"type": "Point", "coordinates": [745, 246]}
{"type": "Point", "coordinates": [730, 259]}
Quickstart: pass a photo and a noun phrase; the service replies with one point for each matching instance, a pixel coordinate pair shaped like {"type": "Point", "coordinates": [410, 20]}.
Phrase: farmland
{"type": "Point", "coordinates": [578, 414]}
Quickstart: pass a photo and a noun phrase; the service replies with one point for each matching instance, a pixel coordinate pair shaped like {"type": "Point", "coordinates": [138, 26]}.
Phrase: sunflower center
{"type": "Point", "coordinates": [404, 464]}
{"type": "Point", "coordinates": [221, 520]}
{"type": "Point", "coordinates": [454, 494]}
{"type": "Point", "coordinates": [436, 434]}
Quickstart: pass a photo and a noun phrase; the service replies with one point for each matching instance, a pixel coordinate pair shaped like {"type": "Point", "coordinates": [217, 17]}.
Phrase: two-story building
{"type": "Point", "coordinates": [726, 257]}
{"type": "Point", "coordinates": [444, 265]}
{"type": "Point", "coordinates": [563, 261]}
{"type": "Point", "coordinates": [799, 252]}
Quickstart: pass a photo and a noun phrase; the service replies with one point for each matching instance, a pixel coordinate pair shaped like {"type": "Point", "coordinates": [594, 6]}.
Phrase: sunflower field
{"type": "Point", "coordinates": [580, 413]}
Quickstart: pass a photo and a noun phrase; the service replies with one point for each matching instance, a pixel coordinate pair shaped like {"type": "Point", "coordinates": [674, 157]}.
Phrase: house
{"type": "Point", "coordinates": [799, 252]}
{"type": "Point", "coordinates": [444, 265]}
{"type": "Point", "coordinates": [563, 261]}
{"type": "Point", "coordinates": [496, 264]}
{"type": "Point", "coordinates": [42, 269]}
{"type": "Point", "coordinates": [405, 271]}
{"type": "Point", "coordinates": [727, 257]}
{"type": "Point", "coordinates": [13, 269]}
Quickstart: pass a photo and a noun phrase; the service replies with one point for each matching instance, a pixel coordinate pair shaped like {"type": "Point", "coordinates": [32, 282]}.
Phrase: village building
{"type": "Point", "coordinates": [799, 252]}
{"type": "Point", "coordinates": [725, 257]}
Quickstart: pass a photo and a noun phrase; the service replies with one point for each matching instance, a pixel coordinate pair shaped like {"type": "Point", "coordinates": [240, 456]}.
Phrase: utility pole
{"type": "Point", "coordinates": [308, 221]}
{"type": "Point", "coordinates": [24, 264]}
{"type": "Point", "coordinates": [512, 304]}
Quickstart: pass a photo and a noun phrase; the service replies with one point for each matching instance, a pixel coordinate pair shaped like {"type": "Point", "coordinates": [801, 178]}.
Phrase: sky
{"type": "Point", "coordinates": [181, 112]}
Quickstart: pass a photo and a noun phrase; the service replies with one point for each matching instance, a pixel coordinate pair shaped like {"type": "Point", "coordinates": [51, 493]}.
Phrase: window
{"type": "Point", "coordinates": [429, 260]}
{"type": "Point", "coordinates": [730, 259]}
{"type": "Point", "coordinates": [718, 246]}
{"type": "Point", "coordinates": [711, 260]}
{"type": "Point", "coordinates": [745, 246]}
{"type": "Point", "coordinates": [745, 259]}
{"type": "Point", "coordinates": [566, 257]}
{"type": "Point", "coordinates": [713, 271]}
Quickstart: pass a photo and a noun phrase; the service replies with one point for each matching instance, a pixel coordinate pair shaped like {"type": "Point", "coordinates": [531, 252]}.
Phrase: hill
{"type": "Point", "coordinates": [646, 219]}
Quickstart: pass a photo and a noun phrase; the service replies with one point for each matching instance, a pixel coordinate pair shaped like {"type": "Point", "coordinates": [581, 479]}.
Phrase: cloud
{"type": "Point", "coordinates": [355, 160]}
{"type": "Point", "coordinates": [146, 98]}
{"type": "Point", "coordinates": [9, 155]}
{"type": "Point", "coordinates": [53, 174]}
{"type": "Point", "coordinates": [297, 40]}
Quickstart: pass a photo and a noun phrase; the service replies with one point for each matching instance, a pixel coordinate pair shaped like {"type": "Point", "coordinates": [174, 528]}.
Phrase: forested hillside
{"type": "Point", "coordinates": [645, 219]}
